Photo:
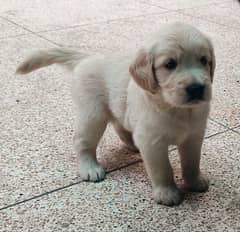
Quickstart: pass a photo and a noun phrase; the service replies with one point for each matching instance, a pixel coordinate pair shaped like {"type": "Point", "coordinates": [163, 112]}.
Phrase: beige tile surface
{"type": "Point", "coordinates": [237, 129]}
{"type": "Point", "coordinates": [123, 202]}
{"type": "Point", "coordinates": [37, 119]}
{"type": "Point", "coordinates": [37, 115]}
{"type": "Point", "coordinates": [134, 31]}
{"type": "Point", "coordinates": [49, 15]}
{"type": "Point", "coordinates": [183, 4]}
{"type": "Point", "coordinates": [8, 29]}
{"type": "Point", "coordinates": [219, 16]}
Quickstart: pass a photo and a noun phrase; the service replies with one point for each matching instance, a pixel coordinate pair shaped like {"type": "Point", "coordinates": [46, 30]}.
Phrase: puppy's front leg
{"type": "Point", "coordinates": [90, 126]}
{"type": "Point", "coordinates": [190, 152]}
{"type": "Point", "coordinates": [155, 156]}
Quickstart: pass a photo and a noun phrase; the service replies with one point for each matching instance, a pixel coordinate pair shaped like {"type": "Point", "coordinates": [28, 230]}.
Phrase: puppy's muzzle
{"type": "Point", "coordinates": [195, 92]}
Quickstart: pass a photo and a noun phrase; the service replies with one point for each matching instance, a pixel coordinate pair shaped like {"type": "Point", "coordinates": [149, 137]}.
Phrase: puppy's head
{"type": "Point", "coordinates": [178, 65]}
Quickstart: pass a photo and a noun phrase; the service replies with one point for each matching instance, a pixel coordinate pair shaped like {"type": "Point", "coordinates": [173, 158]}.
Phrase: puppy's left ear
{"type": "Point", "coordinates": [143, 72]}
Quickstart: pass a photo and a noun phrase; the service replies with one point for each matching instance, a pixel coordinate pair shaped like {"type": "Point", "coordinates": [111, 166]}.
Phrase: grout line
{"type": "Point", "coordinates": [28, 30]}
{"type": "Point", "coordinates": [219, 123]}
{"type": "Point", "coordinates": [227, 127]}
{"type": "Point", "coordinates": [78, 182]}
{"type": "Point", "coordinates": [207, 20]}
{"type": "Point", "coordinates": [105, 21]}
{"type": "Point", "coordinates": [38, 33]}
{"type": "Point", "coordinates": [65, 187]}
{"type": "Point", "coordinates": [218, 133]}
{"type": "Point", "coordinates": [86, 24]}
{"type": "Point", "coordinates": [139, 16]}
{"type": "Point", "coordinates": [189, 8]}
{"type": "Point", "coordinates": [233, 129]}
{"type": "Point", "coordinates": [38, 196]}
{"type": "Point", "coordinates": [181, 11]}
{"type": "Point", "coordinates": [16, 24]}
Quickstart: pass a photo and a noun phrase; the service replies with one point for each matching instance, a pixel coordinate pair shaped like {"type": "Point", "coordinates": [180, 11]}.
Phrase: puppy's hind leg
{"type": "Point", "coordinates": [91, 123]}
{"type": "Point", "coordinates": [125, 136]}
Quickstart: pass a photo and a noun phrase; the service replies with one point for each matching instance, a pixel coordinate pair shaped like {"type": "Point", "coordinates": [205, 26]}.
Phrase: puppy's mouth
{"type": "Point", "coordinates": [193, 102]}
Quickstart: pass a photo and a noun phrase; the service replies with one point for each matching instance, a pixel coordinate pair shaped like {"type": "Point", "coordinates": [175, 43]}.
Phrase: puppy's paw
{"type": "Point", "coordinates": [199, 184]}
{"type": "Point", "coordinates": [167, 195]}
{"type": "Point", "coordinates": [90, 170]}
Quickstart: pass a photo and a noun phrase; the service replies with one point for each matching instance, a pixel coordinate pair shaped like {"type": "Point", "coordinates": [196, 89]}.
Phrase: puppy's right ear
{"type": "Point", "coordinates": [143, 72]}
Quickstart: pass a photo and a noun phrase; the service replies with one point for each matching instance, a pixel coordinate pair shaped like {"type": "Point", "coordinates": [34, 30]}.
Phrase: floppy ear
{"type": "Point", "coordinates": [213, 61]}
{"type": "Point", "coordinates": [212, 65]}
{"type": "Point", "coordinates": [143, 72]}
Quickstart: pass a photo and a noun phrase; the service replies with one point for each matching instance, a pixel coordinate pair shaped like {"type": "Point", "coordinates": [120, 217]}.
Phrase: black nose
{"type": "Point", "coordinates": [195, 91]}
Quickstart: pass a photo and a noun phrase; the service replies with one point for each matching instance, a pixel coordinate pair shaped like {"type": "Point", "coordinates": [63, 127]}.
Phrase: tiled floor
{"type": "Point", "coordinates": [39, 190]}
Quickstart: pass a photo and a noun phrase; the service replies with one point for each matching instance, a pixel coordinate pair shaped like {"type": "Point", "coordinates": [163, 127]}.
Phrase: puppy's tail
{"type": "Point", "coordinates": [42, 58]}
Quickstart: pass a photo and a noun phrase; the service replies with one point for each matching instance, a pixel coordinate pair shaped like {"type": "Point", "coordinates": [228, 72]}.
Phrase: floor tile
{"type": "Point", "coordinates": [181, 4]}
{"type": "Point", "coordinates": [100, 38]}
{"type": "Point", "coordinates": [213, 128]}
{"type": "Point", "coordinates": [219, 14]}
{"type": "Point", "coordinates": [133, 32]}
{"type": "Point", "coordinates": [8, 29]}
{"type": "Point", "coordinates": [37, 117]}
{"type": "Point", "coordinates": [59, 14]}
{"type": "Point", "coordinates": [226, 90]}
{"type": "Point", "coordinates": [237, 129]}
{"type": "Point", "coordinates": [123, 202]}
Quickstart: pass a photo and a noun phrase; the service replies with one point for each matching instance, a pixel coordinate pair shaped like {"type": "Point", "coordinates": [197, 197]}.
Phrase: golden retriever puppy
{"type": "Point", "coordinates": [158, 97]}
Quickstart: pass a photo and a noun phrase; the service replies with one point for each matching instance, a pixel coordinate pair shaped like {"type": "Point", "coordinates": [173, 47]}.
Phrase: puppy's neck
{"type": "Point", "coordinates": [157, 102]}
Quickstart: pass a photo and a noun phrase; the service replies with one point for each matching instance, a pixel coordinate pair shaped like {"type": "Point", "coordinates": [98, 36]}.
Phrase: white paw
{"type": "Point", "coordinates": [199, 184]}
{"type": "Point", "coordinates": [167, 195]}
{"type": "Point", "coordinates": [90, 170]}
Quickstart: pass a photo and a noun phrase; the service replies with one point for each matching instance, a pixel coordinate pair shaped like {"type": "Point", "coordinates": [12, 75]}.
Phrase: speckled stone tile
{"type": "Point", "coordinates": [133, 32]}
{"type": "Point", "coordinates": [237, 129]}
{"type": "Point", "coordinates": [36, 119]}
{"type": "Point", "coordinates": [225, 104]}
{"type": "Point", "coordinates": [214, 128]}
{"type": "Point", "coordinates": [54, 14]}
{"type": "Point", "coordinates": [128, 34]}
{"type": "Point", "coordinates": [219, 14]}
{"type": "Point", "coordinates": [9, 29]}
{"type": "Point", "coordinates": [101, 38]}
{"type": "Point", "coordinates": [182, 4]}
{"type": "Point", "coordinates": [123, 202]}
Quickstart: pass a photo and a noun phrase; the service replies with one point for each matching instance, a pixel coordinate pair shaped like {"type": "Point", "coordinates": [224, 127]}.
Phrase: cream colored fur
{"type": "Point", "coordinates": [147, 104]}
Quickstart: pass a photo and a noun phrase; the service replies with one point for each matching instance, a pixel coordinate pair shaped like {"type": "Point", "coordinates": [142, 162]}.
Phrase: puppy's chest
{"type": "Point", "coordinates": [179, 128]}
{"type": "Point", "coordinates": [178, 131]}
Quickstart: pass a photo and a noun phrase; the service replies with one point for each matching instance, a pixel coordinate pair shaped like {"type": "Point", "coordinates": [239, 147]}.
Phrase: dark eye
{"type": "Point", "coordinates": [203, 60]}
{"type": "Point", "coordinates": [171, 64]}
